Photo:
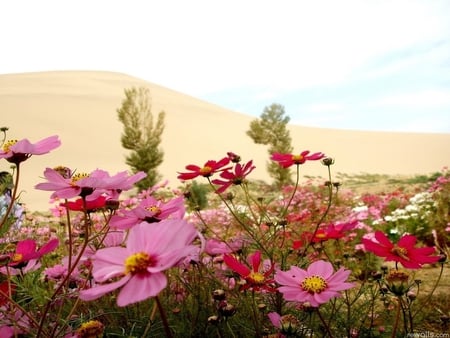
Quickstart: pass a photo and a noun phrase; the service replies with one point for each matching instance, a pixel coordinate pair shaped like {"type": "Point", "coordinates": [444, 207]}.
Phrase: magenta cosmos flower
{"type": "Point", "coordinates": [287, 160]}
{"type": "Point", "coordinates": [233, 178]}
{"type": "Point", "coordinates": [207, 170]}
{"type": "Point", "coordinates": [15, 151]}
{"type": "Point", "coordinates": [27, 250]}
{"type": "Point", "coordinates": [403, 252]}
{"type": "Point", "coordinates": [138, 269]}
{"type": "Point", "coordinates": [255, 278]}
{"type": "Point", "coordinates": [316, 285]}
{"type": "Point", "coordinates": [149, 210]}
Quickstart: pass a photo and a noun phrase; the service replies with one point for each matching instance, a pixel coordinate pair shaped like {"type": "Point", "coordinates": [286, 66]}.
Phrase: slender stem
{"type": "Point", "coordinates": [327, 328]}
{"type": "Point", "coordinates": [397, 319]}
{"type": "Point", "coordinates": [164, 318]}
{"type": "Point", "coordinates": [238, 219]}
{"type": "Point", "coordinates": [283, 213]}
{"type": "Point", "coordinates": [330, 199]}
{"type": "Point", "coordinates": [150, 320]}
{"type": "Point", "coordinates": [69, 272]}
{"type": "Point", "coordinates": [430, 294]}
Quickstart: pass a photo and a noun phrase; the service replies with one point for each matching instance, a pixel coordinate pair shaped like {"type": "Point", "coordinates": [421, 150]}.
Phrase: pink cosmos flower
{"type": "Point", "coordinates": [255, 279]}
{"type": "Point", "coordinates": [112, 186]}
{"type": "Point", "coordinates": [67, 187]}
{"type": "Point", "coordinates": [315, 285]}
{"type": "Point", "coordinates": [233, 178]}
{"type": "Point", "coordinates": [403, 252]}
{"type": "Point", "coordinates": [90, 185]}
{"type": "Point", "coordinates": [18, 151]}
{"type": "Point", "coordinates": [207, 170]}
{"type": "Point", "coordinates": [287, 160]}
{"type": "Point", "coordinates": [138, 269]}
{"type": "Point", "coordinates": [149, 210]}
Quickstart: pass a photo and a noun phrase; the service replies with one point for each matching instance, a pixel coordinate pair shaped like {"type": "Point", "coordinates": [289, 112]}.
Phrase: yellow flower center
{"type": "Point", "coordinates": [77, 177]}
{"type": "Point", "coordinates": [8, 145]}
{"type": "Point", "coordinates": [17, 257]}
{"type": "Point", "coordinates": [256, 277]}
{"type": "Point", "coordinates": [138, 262]}
{"type": "Point", "coordinates": [154, 209]}
{"type": "Point", "coordinates": [314, 284]}
{"type": "Point", "coordinates": [90, 329]}
{"type": "Point", "coordinates": [297, 158]}
{"type": "Point", "coordinates": [401, 252]}
{"type": "Point", "coordinates": [205, 171]}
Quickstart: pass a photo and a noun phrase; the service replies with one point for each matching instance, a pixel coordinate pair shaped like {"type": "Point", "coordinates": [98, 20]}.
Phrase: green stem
{"type": "Point", "coordinates": [322, 218]}
{"type": "Point", "coordinates": [284, 212]}
{"type": "Point", "coordinates": [430, 294]}
{"type": "Point", "coordinates": [67, 277]}
{"type": "Point", "coordinates": [164, 318]}
{"type": "Point", "coordinates": [397, 319]}
{"type": "Point", "coordinates": [327, 328]}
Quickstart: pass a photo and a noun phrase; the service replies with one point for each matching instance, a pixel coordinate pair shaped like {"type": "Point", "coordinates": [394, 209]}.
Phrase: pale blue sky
{"type": "Point", "coordinates": [361, 64]}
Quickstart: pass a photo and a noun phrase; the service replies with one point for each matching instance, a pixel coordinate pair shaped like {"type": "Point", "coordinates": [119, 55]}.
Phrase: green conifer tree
{"type": "Point", "coordinates": [271, 129]}
{"type": "Point", "coordinates": [141, 135]}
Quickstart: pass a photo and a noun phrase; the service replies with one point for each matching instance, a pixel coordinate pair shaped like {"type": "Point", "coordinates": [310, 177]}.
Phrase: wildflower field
{"type": "Point", "coordinates": [223, 255]}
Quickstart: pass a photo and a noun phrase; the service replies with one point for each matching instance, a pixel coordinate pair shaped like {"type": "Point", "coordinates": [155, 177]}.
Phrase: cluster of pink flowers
{"type": "Point", "coordinates": [145, 237]}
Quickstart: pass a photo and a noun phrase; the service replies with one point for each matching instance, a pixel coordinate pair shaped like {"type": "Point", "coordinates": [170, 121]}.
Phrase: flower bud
{"type": "Point", "coordinates": [226, 309]}
{"type": "Point", "coordinates": [218, 294]}
{"type": "Point", "coordinates": [289, 325]}
{"type": "Point", "coordinates": [213, 319]}
{"type": "Point", "coordinates": [327, 161]}
{"type": "Point", "coordinates": [397, 282]}
{"type": "Point", "coordinates": [411, 295]}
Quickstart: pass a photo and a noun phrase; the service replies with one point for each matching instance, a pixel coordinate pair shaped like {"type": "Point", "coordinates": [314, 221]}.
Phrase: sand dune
{"type": "Point", "coordinates": [81, 107]}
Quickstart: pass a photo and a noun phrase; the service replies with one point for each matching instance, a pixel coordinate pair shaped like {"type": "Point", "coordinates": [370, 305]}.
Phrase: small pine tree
{"type": "Point", "coordinates": [271, 129]}
{"type": "Point", "coordinates": [141, 135]}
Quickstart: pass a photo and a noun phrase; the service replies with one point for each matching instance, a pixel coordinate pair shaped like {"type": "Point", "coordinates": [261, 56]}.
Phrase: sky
{"type": "Point", "coordinates": [380, 65]}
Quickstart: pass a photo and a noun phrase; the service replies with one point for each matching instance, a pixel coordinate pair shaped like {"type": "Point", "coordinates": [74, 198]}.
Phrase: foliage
{"type": "Point", "coordinates": [142, 135]}
{"type": "Point", "coordinates": [271, 129]}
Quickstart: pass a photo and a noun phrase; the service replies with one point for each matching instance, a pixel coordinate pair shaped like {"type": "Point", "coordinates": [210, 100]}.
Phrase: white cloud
{"type": "Point", "coordinates": [418, 99]}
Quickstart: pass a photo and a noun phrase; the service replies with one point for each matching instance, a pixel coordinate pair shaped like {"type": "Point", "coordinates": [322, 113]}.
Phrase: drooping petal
{"type": "Point", "coordinates": [275, 319]}
{"type": "Point", "coordinates": [48, 247]}
{"type": "Point", "coordinates": [101, 290]}
{"type": "Point", "coordinates": [141, 287]}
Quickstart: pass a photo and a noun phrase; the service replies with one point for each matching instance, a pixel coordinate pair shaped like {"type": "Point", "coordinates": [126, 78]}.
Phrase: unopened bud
{"type": "Point", "coordinates": [218, 294]}
{"type": "Point", "coordinates": [327, 161]}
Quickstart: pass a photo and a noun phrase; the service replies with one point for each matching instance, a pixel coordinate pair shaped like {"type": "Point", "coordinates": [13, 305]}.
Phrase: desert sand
{"type": "Point", "coordinates": [81, 107]}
